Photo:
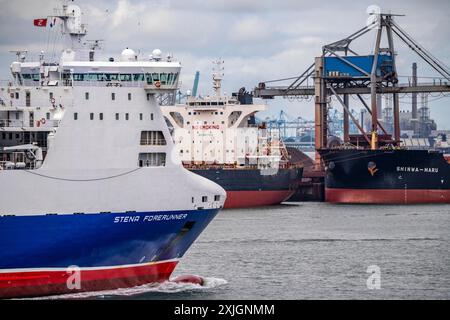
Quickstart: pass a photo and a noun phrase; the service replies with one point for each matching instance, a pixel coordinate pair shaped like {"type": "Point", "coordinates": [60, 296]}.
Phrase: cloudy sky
{"type": "Point", "coordinates": [259, 40]}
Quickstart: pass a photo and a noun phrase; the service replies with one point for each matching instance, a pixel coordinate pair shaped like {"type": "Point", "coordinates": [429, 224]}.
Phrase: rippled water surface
{"type": "Point", "coordinates": [314, 251]}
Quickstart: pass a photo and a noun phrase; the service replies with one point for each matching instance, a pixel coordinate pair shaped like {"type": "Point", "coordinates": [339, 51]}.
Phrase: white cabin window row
{"type": "Point", "coordinates": [113, 96]}
{"type": "Point", "coordinates": [211, 103]}
{"type": "Point", "coordinates": [205, 198]}
{"type": "Point", "coordinates": [150, 78]}
{"type": "Point", "coordinates": [195, 113]}
{"type": "Point", "coordinates": [100, 116]}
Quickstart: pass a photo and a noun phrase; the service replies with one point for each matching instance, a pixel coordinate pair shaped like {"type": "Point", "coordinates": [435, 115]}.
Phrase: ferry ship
{"type": "Point", "coordinates": [218, 138]}
{"type": "Point", "coordinates": [93, 195]}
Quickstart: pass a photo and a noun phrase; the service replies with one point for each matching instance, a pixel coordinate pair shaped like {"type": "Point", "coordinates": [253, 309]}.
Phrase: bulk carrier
{"type": "Point", "coordinates": [387, 175]}
{"type": "Point", "coordinates": [92, 194]}
{"type": "Point", "coordinates": [377, 167]}
{"type": "Point", "coordinates": [217, 137]}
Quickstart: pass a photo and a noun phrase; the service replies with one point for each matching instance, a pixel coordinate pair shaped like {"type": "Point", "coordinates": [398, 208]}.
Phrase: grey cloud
{"type": "Point", "coordinates": [259, 40]}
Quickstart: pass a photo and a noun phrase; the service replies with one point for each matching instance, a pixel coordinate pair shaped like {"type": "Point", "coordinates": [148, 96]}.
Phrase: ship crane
{"type": "Point", "coordinates": [340, 71]}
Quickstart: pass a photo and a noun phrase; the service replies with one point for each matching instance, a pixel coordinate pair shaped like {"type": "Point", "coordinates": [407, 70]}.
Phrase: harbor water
{"type": "Point", "coordinates": [314, 251]}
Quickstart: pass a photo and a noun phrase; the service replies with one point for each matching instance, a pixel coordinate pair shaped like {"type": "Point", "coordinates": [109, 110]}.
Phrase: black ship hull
{"type": "Point", "coordinates": [386, 176]}
{"type": "Point", "coordinates": [247, 187]}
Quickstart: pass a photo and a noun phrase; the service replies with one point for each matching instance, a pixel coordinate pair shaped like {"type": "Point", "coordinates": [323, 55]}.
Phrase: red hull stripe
{"type": "Point", "coordinates": [244, 199]}
{"type": "Point", "coordinates": [42, 283]}
{"type": "Point", "coordinates": [388, 196]}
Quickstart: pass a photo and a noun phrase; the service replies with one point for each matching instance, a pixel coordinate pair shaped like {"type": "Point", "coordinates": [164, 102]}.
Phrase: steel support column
{"type": "Point", "coordinates": [320, 111]}
{"type": "Point", "coordinates": [346, 119]}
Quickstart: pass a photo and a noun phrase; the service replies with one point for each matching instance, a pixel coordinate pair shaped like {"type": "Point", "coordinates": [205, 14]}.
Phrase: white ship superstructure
{"type": "Point", "coordinates": [85, 140]}
{"type": "Point", "coordinates": [218, 137]}
{"type": "Point", "coordinates": [218, 129]}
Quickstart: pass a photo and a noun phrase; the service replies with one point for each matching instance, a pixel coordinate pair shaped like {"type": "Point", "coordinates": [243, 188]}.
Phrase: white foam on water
{"type": "Point", "coordinates": [164, 287]}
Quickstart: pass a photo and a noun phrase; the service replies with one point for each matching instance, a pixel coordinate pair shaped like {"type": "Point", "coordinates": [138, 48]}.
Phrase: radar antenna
{"type": "Point", "coordinates": [21, 54]}
{"type": "Point", "coordinates": [93, 45]}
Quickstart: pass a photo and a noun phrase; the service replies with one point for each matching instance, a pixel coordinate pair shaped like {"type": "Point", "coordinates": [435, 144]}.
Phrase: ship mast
{"type": "Point", "coordinates": [71, 14]}
{"type": "Point", "coordinates": [217, 75]}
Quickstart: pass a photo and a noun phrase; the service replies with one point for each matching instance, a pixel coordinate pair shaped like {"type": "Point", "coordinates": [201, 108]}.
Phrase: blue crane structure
{"type": "Point", "coordinates": [188, 93]}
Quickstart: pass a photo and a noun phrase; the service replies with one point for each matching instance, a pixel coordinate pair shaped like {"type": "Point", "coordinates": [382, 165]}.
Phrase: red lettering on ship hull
{"type": "Point", "coordinates": [206, 127]}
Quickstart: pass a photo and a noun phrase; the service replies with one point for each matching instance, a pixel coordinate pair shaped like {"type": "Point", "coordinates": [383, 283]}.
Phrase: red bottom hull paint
{"type": "Point", "coordinates": [245, 199]}
{"type": "Point", "coordinates": [386, 196]}
{"type": "Point", "coordinates": [44, 283]}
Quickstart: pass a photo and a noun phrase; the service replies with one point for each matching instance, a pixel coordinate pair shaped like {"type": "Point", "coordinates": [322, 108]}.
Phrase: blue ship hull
{"type": "Point", "coordinates": [135, 244]}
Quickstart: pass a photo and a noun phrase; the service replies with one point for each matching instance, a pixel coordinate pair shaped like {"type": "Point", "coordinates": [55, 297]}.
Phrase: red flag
{"type": "Point", "coordinates": [40, 22]}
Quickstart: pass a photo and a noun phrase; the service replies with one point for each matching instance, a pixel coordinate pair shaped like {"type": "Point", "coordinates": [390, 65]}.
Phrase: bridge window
{"type": "Point", "coordinates": [78, 77]}
{"type": "Point", "coordinates": [149, 78]}
{"type": "Point", "coordinates": [90, 77]}
{"type": "Point", "coordinates": [125, 77]}
{"type": "Point", "coordinates": [174, 78]}
{"type": "Point", "coordinates": [163, 77]}
{"type": "Point", "coordinates": [112, 76]}
{"type": "Point", "coordinates": [152, 159]}
{"type": "Point", "coordinates": [138, 77]}
{"type": "Point", "coordinates": [153, 138]}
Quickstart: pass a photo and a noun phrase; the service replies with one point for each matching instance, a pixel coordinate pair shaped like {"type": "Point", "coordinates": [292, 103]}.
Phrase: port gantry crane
{"type": "Point", "coordinates": [340, 71]}
{"type": "Point", "coordinates": [284, 123]}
